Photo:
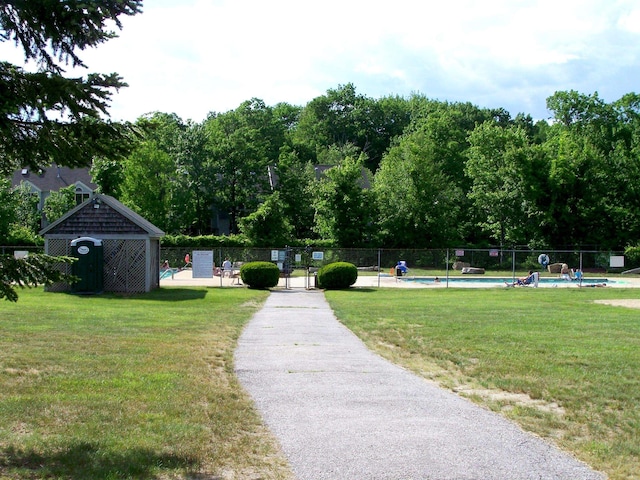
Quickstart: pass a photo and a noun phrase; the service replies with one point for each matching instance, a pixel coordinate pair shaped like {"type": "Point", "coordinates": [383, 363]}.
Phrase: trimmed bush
{"type": "Point", "coordinates": [260, 274]}
{"type": "Point", "coordinates": [338, 275]}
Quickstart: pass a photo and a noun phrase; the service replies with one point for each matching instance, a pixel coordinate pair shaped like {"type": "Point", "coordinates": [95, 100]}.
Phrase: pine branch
{"type": "Point", "coordinates": [30, 271]}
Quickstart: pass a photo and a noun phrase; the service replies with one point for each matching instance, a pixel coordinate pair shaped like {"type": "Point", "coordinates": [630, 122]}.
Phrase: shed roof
{"type": "Point", "coordinates": [116, 218]}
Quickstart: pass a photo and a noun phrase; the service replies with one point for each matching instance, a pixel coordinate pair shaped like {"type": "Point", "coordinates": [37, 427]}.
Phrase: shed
{"type": "Point", "coordinates": [130, 244]}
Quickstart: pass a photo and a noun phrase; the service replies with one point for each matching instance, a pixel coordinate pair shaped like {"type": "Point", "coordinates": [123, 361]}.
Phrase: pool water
{"type": "Point", "coordinates": [168, 273]}
{"type": "Point", "coordinates": [509, 280]}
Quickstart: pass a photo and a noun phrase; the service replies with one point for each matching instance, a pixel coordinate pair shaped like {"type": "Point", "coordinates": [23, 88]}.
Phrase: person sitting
{"type": "Point", "coordinates": [528, 280]}
{"type": "Point", "coordinates": [577, 274]}
{"type": "Point", "coordinates": [401, 268]}
{"type": "Point", "coordinates": [227, 268]}
{"type": "Point", "coordinates": [565, 273]}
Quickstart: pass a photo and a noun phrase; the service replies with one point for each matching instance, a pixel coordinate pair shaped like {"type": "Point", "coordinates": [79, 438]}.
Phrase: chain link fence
{"type": "Point", "coordinates": [383, 260]}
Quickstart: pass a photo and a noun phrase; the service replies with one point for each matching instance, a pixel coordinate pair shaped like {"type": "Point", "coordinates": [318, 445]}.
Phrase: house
{"type": "Point", "coordinates": [128, 245]}
{"type": "Point", "coordinates": [319, 172]}
{"type": "Point", "coordinates": [52, 179]}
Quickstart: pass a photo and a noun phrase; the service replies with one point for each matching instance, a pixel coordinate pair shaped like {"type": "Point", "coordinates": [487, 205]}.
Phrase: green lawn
{"type": "Point", "coordinates": [551, 359]}
{"type": "Point", "coordinates": [143, 387]}
{"type": "Point", "coordinates": [129, 387]}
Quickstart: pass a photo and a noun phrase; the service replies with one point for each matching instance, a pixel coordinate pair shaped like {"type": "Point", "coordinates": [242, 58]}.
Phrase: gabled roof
{"type": "Point", "coordinates": [319, 170]}
{"type": "Point", "coordinates": [53, 178]}
{"type": "Point", "coordinates": [115, 205]}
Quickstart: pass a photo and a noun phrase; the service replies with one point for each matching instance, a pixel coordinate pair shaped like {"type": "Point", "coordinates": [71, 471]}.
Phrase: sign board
{"type": "Point", "coordinates": [278, 255]}
{"type": "Point", "coordinates": [494, 252]}
{"type": "Point", "coordinates": [616, 261]}
{"type": "Point", "coordinates": [459, 253]}
{"type": "Point", "coordinates": [202, 264]}
{"type": "Point", "coordinates": [317, 255]}
{"type": "Point", "coordinates": [298, 257]}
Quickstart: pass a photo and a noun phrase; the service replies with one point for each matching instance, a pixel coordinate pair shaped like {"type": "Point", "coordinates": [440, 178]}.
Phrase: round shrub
{"type": "Point", "coordinates": [338, 275]}
{"type": "Point", "coordinates": [260, 274]}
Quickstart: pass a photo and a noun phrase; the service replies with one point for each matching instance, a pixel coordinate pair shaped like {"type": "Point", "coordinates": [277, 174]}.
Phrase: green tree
{"type": "Point", "coordinates": [343, 117]}
{"type": "Point", "coordinates": [501, 165]}
{"type": "Point", "coordinates": [19, 216]}
{"type": "Point", "coordinates": [147, 185]}
{"type": "Point", "coordinates": [295, 180]}
{"type": "Point", "coordinates": [27, 215]}
{"type": "Point", "coordinates": [418, 203]}
{"type": "Point", "coordinates": [268, 226]}
{"type": "Point", "coordinates": [149, 180]}
{"type": "Point", "coordinates": [344, 210]}
{"type": "Point", "coordinates": [58, 203]}
{"type": "Point", "coordinates": [195, 179]}
{"type": "Point", "coordinates": [108, 174]}
{"type": "Point", "coordinates": [593, 171]}
{"type": "Point", "coordinates": [242, 143]}
{"type": "Point", "coordinates": [7, 209]}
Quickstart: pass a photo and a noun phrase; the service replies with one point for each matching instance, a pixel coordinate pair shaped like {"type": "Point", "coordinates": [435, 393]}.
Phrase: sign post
{"type": "Point", "coordinates": [202, 264]}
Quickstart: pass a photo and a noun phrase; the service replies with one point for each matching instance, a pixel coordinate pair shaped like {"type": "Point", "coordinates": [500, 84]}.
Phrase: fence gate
{"type": "Point", "coordinates": [298, 259]}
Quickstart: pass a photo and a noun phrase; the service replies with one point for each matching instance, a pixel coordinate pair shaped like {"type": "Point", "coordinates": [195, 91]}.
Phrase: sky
{"type": "Point", "coordinates": [192, 57]}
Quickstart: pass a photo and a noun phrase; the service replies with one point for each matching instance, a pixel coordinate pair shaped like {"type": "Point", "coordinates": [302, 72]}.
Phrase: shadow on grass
{"type": "Point", "coordinates": [89, 460]}
{"type": "Point", "coordinates": [172, 294]}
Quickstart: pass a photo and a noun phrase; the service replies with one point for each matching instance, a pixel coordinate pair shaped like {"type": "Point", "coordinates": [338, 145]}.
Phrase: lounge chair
{"type": "Point", "coordinates": [535, 279]}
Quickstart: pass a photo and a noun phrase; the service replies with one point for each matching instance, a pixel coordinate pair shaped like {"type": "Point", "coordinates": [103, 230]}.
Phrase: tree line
{"type": "Point", "coordinates": [394, 172]}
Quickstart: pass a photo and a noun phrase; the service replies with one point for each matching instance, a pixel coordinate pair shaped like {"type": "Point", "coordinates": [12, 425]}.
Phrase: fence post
{"type": "Point", "coordinates": [378, 268]}
{"type": "Point", "coordinates": [220, 263]}
{"type": "Point", "coordinates": [447, 267]}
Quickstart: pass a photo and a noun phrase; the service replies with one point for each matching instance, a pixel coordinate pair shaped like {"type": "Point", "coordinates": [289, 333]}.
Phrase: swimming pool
{"type": "Point", "coordinates": [500, 281]}
{"type": "Point", "coordinates": [168, 273]}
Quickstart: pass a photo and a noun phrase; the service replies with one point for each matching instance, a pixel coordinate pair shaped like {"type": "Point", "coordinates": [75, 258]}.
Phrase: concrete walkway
{"type": "Point", "coordinates": [341, 412]}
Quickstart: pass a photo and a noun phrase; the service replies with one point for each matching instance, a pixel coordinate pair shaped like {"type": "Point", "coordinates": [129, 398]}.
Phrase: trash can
{"type": "Point", "coordinates": [89, 265]}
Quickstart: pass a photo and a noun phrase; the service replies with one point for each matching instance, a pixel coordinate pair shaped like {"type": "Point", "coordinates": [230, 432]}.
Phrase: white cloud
{"type": "Point", "coordinates": [195, 56]}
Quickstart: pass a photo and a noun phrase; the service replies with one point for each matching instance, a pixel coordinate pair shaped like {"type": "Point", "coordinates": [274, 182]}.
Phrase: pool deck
{"type": "Point", "coordinates": [185, 278]}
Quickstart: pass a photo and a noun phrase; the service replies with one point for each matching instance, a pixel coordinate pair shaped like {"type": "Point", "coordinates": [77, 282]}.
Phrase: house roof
{"type": "Point", "coordinates": [319, 174]}
{"type": "Point", "coordinates": [53, 178]}
{"type": "Point", "coordinates": [101, 225]}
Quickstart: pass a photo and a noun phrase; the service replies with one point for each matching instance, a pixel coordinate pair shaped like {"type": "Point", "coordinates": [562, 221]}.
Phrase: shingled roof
{"type": "Point", "coordinates": [102, 215]}
{"type": "Point", "coordinates": [54, 178]}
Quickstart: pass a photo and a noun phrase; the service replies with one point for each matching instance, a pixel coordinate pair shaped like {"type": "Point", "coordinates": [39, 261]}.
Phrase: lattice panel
{"type": "Point", "coordinates": [124, 266]}
{"type": "Point", "coordinates": [59, 247]}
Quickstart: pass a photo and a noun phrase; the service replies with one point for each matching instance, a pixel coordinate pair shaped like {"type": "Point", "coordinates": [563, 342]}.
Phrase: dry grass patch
{"type": "Point", "coordinates": [129, 387]}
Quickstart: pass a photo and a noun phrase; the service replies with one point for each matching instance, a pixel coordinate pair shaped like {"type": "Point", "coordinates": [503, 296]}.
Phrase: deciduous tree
{"type": "Point", "coordinates": [344, 210]}
{"type": "Point", "coordinates": [418, 202]}
{"type": "Point", "coordinates": [500, 165]}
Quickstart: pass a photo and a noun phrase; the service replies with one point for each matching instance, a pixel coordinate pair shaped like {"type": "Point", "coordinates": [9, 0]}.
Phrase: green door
{"type": "Point", "coordinates": [89, 265]}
